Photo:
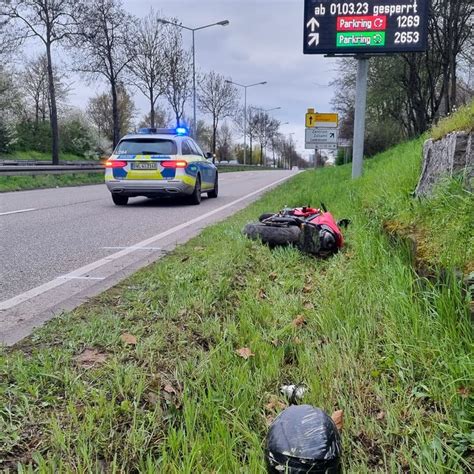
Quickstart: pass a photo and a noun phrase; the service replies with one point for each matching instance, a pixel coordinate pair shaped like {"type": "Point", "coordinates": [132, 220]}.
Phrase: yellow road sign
{"type": "Point", "coordinates": [314, 119]}
{"type": "Point", "coordinates": [311, 118]}
{"type": "Point", "coordinates": [331, 118]}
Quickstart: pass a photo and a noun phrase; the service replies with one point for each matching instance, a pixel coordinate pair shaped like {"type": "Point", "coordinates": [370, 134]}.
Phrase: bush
{"type": "Point", "coordinates": [76, 136]}
{"type": "Point", "coordinates": [7, 136]}
{"type": "Point", "coordinates": [33, 136]}
{"type": "Point", "coordinates": [381, 136]}
{"type": "Point", "coordinates": [341, 156]}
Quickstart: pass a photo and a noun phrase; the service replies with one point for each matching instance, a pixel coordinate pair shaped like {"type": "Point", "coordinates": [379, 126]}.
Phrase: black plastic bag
{"type": "Point", "coordinates": [303, 439]}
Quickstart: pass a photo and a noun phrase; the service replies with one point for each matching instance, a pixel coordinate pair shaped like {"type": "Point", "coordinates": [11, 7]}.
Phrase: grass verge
{"type": "Point", "coordinates": [22, 183]}
{"type": "Point", "coordinates": [145, 378]}
{"type": "Point", "coordinates": [463, 120]}
{"type": "Point", "coordinates": [40, 156]}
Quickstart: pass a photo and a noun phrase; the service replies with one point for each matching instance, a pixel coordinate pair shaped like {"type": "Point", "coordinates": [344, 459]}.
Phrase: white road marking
{"type": "Point", "coordinates": [39, 290]}
{"type": "Point", "coordinates": [16, 212]}
{"type": "Point", "coordinates": [133, 247]}
{"type": "Point", "coordinates": [66, 277]}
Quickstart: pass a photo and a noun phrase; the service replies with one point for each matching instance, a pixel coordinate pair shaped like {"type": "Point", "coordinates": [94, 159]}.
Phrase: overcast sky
{"type": "Point", "coordinates": [262, 43]}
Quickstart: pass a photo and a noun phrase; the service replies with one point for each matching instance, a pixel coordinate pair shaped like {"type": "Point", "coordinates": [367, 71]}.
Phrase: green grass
{"type": "Point", "coordinates": [463, 120]}
{"type": "Point", "coordinates": [22, 183]}
{"type": "Point", "coordinates": [390, 348]}
{"type": "Point", "coordinates": [40, 156]}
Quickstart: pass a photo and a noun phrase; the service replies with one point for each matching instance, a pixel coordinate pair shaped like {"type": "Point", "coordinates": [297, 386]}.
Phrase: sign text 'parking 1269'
{"type": "Point", "coordinates": [371, 26]}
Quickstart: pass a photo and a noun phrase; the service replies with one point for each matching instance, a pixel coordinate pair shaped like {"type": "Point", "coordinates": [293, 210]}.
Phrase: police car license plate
{"type": "Point", "coordinates": [144, 166]}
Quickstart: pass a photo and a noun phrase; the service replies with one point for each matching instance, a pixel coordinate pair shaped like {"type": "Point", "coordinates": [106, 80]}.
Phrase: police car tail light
{"type": "Point", "coordinates": [115, 164]}
{"type": "Point", "coordinates": [174, 164]}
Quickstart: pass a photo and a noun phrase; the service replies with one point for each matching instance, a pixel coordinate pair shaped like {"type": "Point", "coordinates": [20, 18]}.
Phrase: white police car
{"type": "Point", "coordinates": [157, 163]}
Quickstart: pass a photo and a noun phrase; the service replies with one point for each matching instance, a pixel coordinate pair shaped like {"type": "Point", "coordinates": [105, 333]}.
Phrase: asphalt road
{"type": "Point", "coordinates": [59, 247]}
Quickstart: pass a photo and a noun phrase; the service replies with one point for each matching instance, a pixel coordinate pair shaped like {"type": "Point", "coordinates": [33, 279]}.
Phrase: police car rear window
{"type": "Point", "coordinates": [146, 146]}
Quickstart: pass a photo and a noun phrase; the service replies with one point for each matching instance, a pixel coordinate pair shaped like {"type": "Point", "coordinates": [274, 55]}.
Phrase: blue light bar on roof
{"type": "Point", "coordinates": [181, 131]}
{"type": "Point", "coordinates": [163, 131]}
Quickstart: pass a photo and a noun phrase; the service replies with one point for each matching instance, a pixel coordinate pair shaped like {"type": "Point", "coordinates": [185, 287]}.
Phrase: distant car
{"type": "Point", "coordinates": [233, 162]}
{"type": "Point", "coordinates": [160, 162]}
{"type": "Point", "coordinates": [223, 162]}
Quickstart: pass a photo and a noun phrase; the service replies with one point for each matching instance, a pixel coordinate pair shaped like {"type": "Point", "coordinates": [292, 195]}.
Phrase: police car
{"type": "Point", "coordinates": [159, 163]}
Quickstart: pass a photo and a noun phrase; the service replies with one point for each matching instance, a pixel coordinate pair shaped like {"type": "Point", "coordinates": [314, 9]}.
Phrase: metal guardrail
{"type": "Point", "coordinates": [33, 170]}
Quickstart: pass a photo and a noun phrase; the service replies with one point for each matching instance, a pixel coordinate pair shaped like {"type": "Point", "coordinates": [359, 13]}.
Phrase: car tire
{"type": "Point", "coordinates": [196, 197]}
{"type": "Point", "coordinates": [120, 200]}
{"type": "Point", "coordinates": [215, 192]}
{"type": "Point", "coordinates": [273, 236]}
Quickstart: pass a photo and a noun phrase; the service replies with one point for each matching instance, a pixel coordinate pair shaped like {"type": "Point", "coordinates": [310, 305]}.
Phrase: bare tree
{"type": "Point", "coordinates": [162, 119]}
{"type": "Point", "coordinates": [224, 142]}
{"type": "Point", "coordinates": [250, 128]}
{"type": "Point", "coordinates": [35, 85]}
{"type": "Point", "coordinates": [451, 26]}
{"type": "Point", "coordinates": [100, 108]}
{"type": "Point", "coordinates": [266, 127]}
{"type": "Point", "coordinates": [147, 67]}
{"type": "Point", "coordinates": [105, 47]}
{"type": "Point", "coordinates": [179, 66]}
{"type": "Point", "coordinates": [218, 98]}
{"type": "Point", "coordinates": [48, 21]}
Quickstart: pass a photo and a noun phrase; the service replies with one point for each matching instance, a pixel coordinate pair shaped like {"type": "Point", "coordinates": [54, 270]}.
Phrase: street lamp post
{"type": "Point", "coordinates": [273, 149]}
{"type": "Point", "coordinates": [193, 30]}
{"type": "Point", "coordinates": [245, 111]}
{"type": "Point", "coordinates": [290, 135]}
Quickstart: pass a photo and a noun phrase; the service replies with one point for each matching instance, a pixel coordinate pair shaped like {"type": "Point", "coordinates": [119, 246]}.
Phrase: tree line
{"type": "Point", "coordinates": [102, 42]}
{"type": "Point", "coordinates": [409, 92]}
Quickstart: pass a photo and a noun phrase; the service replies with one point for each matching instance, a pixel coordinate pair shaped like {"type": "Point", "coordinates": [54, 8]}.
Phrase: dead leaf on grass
{"type": "Point", "coordinates": [273, 276]}
{"type": "Point", "coordinates": [269, 419]}
{"type": "Point", "coordinates": [307, 289]}
{"type": "Point", "coordinates": [308, 305]}
{"type": "Point", "coordinates": [338, 418]}
{"type": "Point", "coordinates": [128, 339]}
{"type": "Point", "coordinates": [276, 342]}
{"type": "Point", "coordinates": [152, 398]}
{"type": "Point", "coordinates": [297, 341]}
{"type": "Point", "coordinates": [274, 405]}
{"type": "Point", "coordinates": [261, 294]}
{"type": "Point", "coordinates": [90, 357]}
{"type": "Point", "coordinates": [464, 392]}
{"type": "Point", "coordinates": [170, 389]}
{"type": "Point", "coordinates": [380, 415]}
{"type": "Point", "coordinates": [299, 321]}
{"type": "Point", "coordinates": [198, 248]}
{"type": "Point", "coordinates": [245, 353]}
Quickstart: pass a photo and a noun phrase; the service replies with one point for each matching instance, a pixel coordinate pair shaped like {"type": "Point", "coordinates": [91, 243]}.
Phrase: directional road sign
{"type": "Point", "coordinates": [370, 26]}
{"type": "Point", "coordinates": [316, 136]}
{"type": "Point", "coordinates": [310, 118]}
{"type": "Point", "coordinates": [321, 146]}
{"type": "Point", "coordinates": [314, 119]}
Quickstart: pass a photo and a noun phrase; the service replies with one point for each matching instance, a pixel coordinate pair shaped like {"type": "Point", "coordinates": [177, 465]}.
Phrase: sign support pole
{"type": "Point", "coordinates": [359, 123]}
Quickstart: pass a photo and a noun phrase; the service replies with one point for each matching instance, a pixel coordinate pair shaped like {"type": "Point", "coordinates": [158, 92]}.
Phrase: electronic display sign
{"type": "Point", "coordinates": [372, 26]}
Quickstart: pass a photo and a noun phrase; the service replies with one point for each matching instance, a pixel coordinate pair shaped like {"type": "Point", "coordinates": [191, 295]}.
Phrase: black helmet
{"type": "Point", "coordinates": [303, 439]}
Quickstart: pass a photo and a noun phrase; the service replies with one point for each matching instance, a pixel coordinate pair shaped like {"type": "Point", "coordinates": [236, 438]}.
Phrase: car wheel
{"type": "Point", "coordinates": [215, 192]}
{"type": "Point", "coordinates": [273, 236]}
{"type": "Point", "coordinates": [119, 200]}
{"type": "Point", "coordinates": [195, 197]}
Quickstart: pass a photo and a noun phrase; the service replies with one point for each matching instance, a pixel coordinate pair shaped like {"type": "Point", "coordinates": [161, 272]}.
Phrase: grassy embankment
{"type": "Point", "coordinates": [40, 156]}
{"type": "Point", "coordinates": [168, 393]}
{"type": "Point", "coordinates": [22, 183]}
